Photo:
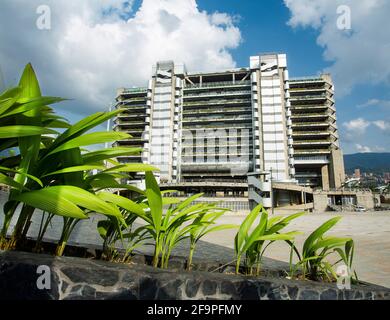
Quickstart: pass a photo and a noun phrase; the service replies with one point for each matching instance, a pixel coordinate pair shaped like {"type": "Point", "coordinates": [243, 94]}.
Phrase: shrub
{"type": "Point", "coordinates": [316, 250]}
{"type": "Point", "coordinates": [252, 243]}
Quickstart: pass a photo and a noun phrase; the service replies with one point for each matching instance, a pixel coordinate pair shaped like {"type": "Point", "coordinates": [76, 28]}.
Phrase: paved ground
{"type": "Point", "coordinates": [371, 232]}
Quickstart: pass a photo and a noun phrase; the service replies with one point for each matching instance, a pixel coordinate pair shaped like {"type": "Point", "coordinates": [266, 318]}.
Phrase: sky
{"type": "Point", "coordinates": [87, 49]}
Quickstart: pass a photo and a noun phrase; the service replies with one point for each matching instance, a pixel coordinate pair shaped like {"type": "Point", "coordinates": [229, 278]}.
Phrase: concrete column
{"type": "Point", "coordinates": [337, 173]}
{"type": "Point", "coordinates": [325, 177]}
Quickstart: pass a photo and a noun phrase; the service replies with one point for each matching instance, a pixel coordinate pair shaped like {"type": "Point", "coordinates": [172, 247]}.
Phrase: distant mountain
{"type": "Point", "coordinates": [367, 162]}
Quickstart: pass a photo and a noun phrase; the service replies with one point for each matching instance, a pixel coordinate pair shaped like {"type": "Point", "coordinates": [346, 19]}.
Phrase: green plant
{"type": "Point", "coordinates": [203, 225]}
{"type": "Point", "coordinates": [166, 226]}
{"type": "Point", "coordinates": [252, 243]}
{"type": "Point", "coordinates": [316, 250]}
{"type": "Point", "coordinates": [51, 170]}
{"type": "Point", "coordinates": [112, 231]}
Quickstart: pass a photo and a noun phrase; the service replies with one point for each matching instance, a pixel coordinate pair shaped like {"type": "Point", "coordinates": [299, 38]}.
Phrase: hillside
{"type": "Point", "coordinates": [367, 162]}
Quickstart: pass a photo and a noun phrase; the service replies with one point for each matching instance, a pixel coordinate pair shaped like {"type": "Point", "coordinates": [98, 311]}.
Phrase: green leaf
{"type": "Point", "coordinates": [109, 153]}
{"type": "Point", "coordinates": [244, 228]}
{"type": "Point", "coordinates": [29, 84]}
{"type": "Point", "coordinates": [257, 232]}
{"type": "Point", "coordinates": [124, 203]}
{"type": "Point", "coordinates": [31, 104]}
{"type": "Point", "coordinates": [102, 227]}
{"type": "Point", "coordinates": [29, 145]}
{"type": "Point", "coordinates": [276, 236]}
{"type": "Point", "coordinates": [80, 197]}
{"type": "Point", "coordinates": [90, 139]}
{"type": "Point", "coordinates": [56, 124]}
{"type": "Point", "coordinates": [220, 228]}
{"type": "Point", "coordinates": [51, 201]}
{"type": "Point", "coordinates": [169, 201]}
{"type": "Point", "coordinates": [23, 131]}
{"type": "Point", "coordinates": [318, 233]}
{"type": "Point", "coordinates": [10, 93]}
{"type": "Point", "coordinates": [10, 182]}
{"type": "Point", "coordinates": [23, 174]}
{"type": "Point", "coordinates": [6, 104]}
{"type": "Point", "coordinates": [188, 201]}
{"type": "Point", "coordinates": [284, 222]}
{"type": "Point", "coordinates": [154, 199]}
{"type": "Point", "coordinates": [133, 167]}
{"type": "Point", "coordinates": [83, 126]}
{"type": "Point", "coordinates": [75, 169]}
{"type": "Point", "coordinates": [330, 242]}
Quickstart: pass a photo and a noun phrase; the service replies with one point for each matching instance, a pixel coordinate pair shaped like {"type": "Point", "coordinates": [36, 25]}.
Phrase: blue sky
{"type": "Point", "coordinates": [264, 28]}
{"type": "Point", "coordinates": [94, 46]}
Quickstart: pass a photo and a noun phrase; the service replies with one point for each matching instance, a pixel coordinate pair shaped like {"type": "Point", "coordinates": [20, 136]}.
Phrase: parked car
{"type": "Point", "coordinates": [360, 209]}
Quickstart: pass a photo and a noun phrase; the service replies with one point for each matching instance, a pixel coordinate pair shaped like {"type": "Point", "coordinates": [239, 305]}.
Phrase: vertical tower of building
{"type": "Point", "coordinates": [133, 120]}
{"type": "Point", "coordinates": [272, 123]}
{"type": "Point", "coordinates": [318, 158]}
{"type": "Point", "coordinates": [217, 124]}
{"type": "Point", "coordinates": [166, 102]}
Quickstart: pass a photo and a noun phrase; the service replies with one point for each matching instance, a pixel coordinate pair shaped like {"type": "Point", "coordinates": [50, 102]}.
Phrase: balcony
{"type": "Point", "coordinates": [310, 133]}
{"type": "Point", "coordinates": [310, 144]}
{"type": "Point", "coordinates": [132, 90]}
{"type": "Point", "coordinates": [311, 151]}
{"type": "Point", "coordinates": [309, 115]}
{"type": "Point", "coordinates": [217, 119]}
{"type": "Point", "coordinates": [313, 159]}
{"type": "Point", "coordinates": [218, 94]}
{"type": "Point", "coordinates": [309, 90]}
{"type": "Point", "coordinates": [307, 80]}
{"type": "Point", "coordinates": [220, 84]}
{"type": "Point", "coordinates": [223, 102]}
{"type": "Point", "coordinates": [309, 97]}
{"type": "Point", "coordinates": [309, 124]}
{"type": "Point", "coordinates": [217, 127]}
{"type": "Point", "coordinates": [125, 105]}
{"type": "Point", "coordinates": [209, 111]}
{"type": "Point", "coordinates": [122, 118]}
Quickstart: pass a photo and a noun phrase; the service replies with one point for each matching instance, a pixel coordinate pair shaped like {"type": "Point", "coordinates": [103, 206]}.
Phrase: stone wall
{"type": "Point", "coordinates": [76, 278]}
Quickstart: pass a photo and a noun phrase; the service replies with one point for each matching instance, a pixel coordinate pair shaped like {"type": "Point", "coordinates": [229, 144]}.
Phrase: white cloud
{"type": "Point", "coordinates": [375, 102]}
{"type": "Point", "coordinates": [366, 149]}
{"type": "Point", "coordinates": [359, 55]}
{"type": "Point", "coordinates": [383, 125]}
{"type": "Point", "coordinates": [356, 126]}
{"type": "Point", "coordinates": [363, 149]}
{"type": "Point", "coordinates": [91, 49]}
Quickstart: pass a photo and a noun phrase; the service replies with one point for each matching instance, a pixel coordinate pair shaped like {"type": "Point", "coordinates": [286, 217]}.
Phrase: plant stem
{"type": "Point", "coordinates": [60, 248]}
{"type": "Point", "coordinates": [69, 225]}
{"type": "Point", "coordinates": [189, 263]}
{"type": "Point", "coordinates": [42, 230]}
{"type": "Point", "coordinates": [238, 264]}
{"type": "Point", "coordinates": [156, 254]}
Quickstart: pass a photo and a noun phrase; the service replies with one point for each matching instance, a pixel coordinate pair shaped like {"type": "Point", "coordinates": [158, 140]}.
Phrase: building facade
{"type": "Point", "coordinates": [234, 133]}
{"type": "Point", "coordinates": [318, 157]}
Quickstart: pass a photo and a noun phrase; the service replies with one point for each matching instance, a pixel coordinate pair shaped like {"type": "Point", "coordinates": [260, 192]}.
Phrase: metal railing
{"type": "Point", "coordinates": [216, 102]}
{"type": "Point", "coordinates": [218, 84]}
{"type": "Point", "coordinates": [215, 93]}
{"type": "Point", "coordinates": [133, 90]}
